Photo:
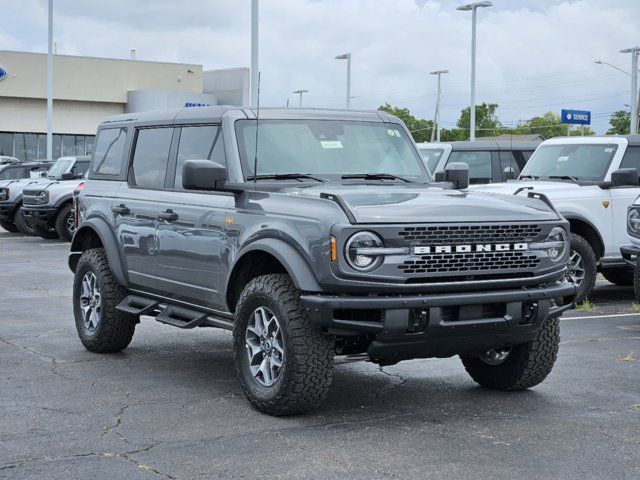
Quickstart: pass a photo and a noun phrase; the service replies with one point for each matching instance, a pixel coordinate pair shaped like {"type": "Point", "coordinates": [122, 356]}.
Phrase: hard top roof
{"type": "Point", "coordinates": [215, 113]}
{"type": "Point", "coordinates": [634, 140]}
{"type": "Point", "coordinates": [485, 145]}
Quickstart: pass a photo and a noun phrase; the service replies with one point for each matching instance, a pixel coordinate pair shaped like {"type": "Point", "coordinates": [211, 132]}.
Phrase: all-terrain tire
{"type": "Point", "coordinates": [527, 365]}
{"type": "Point", "coordinates": [622, 277]}
{"type": "Point", "coordinates": [65, 232]}
{"type": "Point", "coordinates": [307, 366]}
{"type": "Point", "coordinates": [590, 264]}
{"type": "Point", "coordinates": [46, 233]}
{"type": "Point", "coordinates": [114, 329]}
{"type": "Point", "coordinates": [9, 227]}
{"type": "Point", "coordinates": [21, 223]}
{"type": "Point", "coordinates": [636, 283]}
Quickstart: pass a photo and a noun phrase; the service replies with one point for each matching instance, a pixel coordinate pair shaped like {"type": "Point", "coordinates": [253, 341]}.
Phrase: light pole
{"type": "Point", "coordinates": [347, 57]}
{"type": "Point", "coordinates": [634, 87]}
{"type": "Point", "coordinates": [472, 108]}
{"type": "Point", "coordinates": [436, 118]}
{"type": "Point", "coordinates": [300, 92]}
{"type": "Point", "coordinates": [253, 92]}
{"type": "Point", "coordinates": [50, 85]}
{"type": "Point", "coordinates": [602, 62]}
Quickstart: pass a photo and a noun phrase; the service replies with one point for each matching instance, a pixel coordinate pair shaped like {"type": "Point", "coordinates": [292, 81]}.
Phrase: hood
{"type": "Point", "coordinates": [55, 186]}
{"type": "Point", "coordinates": [423, 203]}
{"type": "Point", "coordinates": [546, 187]}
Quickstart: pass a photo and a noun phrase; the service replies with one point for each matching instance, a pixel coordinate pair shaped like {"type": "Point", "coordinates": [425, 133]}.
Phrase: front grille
{"type": "Point", "coordinates": [452, 234]}
{"type": "Point", "coordinates": [469, 262]}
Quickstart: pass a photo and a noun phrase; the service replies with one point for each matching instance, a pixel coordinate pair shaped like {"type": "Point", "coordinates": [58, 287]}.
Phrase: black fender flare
{"type": "Point", "coordinates": [64, 199]}
{"type": "Point", "coordinates": [580, 218]}
{"type": "Point", "coordinates": [99, 227]}
{"type": "Point", "coordinates": [291, 259]}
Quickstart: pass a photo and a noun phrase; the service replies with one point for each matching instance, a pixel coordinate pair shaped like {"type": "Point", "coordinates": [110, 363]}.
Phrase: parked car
{"type": "Point", "coordinates": [489, 161]}
{"type": "Point", "coordinates": [357, 256]}
{"type": "Point", "coordinates": [19, 170]}
{"type": "Point", "coordinates": [5, 160]}
{"type": "Point", "coordinates": [588, 181]}
{"type": "Point", "coordinates": [631, 251]}
{"type": "Point", "coordinates": [11, 205]}
{"type": "Point", "coordinates": [48, 207]}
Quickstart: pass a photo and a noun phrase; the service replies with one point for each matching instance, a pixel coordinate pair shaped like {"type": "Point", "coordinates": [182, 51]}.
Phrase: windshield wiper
{"type": "Point", "coordinates": [564, 177]}
{"type": "Point", "coordinates": [286, 176]}
{"type": "Point", "coordinates": [374, 176]}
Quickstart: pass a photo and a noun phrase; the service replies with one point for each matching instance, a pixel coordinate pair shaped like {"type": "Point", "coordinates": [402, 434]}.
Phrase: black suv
{"type": "Point", "coordinates": [339, 245]}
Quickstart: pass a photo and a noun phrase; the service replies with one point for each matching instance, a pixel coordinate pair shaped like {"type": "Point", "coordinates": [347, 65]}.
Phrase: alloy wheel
{"type": "Point", "coordinates": [265, 347]}
{"type": "Point", "coordinates": [90, 301]}
{"type": "Point", "coordinates": [576, 272]}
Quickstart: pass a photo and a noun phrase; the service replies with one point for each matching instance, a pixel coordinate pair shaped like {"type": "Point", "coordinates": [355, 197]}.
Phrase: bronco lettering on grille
{"type": "Point", "coordinates": [486, 247]}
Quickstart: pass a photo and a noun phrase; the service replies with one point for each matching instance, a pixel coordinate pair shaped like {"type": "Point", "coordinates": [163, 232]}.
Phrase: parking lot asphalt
{"type": "Point", "coordinates": [170, 405]}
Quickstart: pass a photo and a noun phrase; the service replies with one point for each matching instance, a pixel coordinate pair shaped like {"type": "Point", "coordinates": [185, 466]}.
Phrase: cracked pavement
{"type": "Point", "coordinates": [170, 405]}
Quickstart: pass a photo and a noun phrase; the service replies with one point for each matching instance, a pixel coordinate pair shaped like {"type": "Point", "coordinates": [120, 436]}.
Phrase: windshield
{"type": "Point", "coordinates": [571, 161]}
{"type": "Point", "coordinates": [328, 148]}
{"type": "Point", "coordinates": [58, 168]}
{"type": "Point", "coordinates": [431, 157]}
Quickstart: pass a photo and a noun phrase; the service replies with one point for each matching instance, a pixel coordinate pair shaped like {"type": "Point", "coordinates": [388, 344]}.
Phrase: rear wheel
{"type": "Point", "coordinates": [101, 328]}
{"type": "Point", "coordinates": [21, 223]}
{"type": "Point", "coordinates": [582, 269]}
{"type": "Point", "coordinates": [65, 223]}
{"type": "Point", "coordinates": [636, 283]}
{"type": "Point", "coordinates": [619, 276]}
{"type": "Point", "coordinates": [8, 226]}
{"type": "Point", "coordinates": [284, 362]}
{"type": "Point", "coordinates": [45, 232]}
{"type": "Point", "coordinates": [517, 367]}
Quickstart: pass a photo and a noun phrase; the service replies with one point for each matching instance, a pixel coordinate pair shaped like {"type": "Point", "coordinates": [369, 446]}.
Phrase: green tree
{"type": "Point", "coordinates": [549, 125]}
{"type": "Point", "coordinates": [420, 128]}
{"type": "Point", "coordinates": [487, 122]}
{"type": "Point", "coordinates": [620, 123]}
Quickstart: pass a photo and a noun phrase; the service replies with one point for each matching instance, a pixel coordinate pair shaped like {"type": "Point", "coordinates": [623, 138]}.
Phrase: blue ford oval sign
{"type": "Point", "coordinates": [3, 72]}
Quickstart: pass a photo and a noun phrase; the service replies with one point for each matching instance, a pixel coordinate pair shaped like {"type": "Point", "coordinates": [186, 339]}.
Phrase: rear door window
{"type": "Point", "coordinates": [509, 163]}
{"type": "Point", "coordinates": [631, 158]}
{"type": "Point", "coordinates": [479, 164]}
{"type": "Point", "coordinates": [149, 166]}
{"type": "Point", "coordinates": [109, 150]}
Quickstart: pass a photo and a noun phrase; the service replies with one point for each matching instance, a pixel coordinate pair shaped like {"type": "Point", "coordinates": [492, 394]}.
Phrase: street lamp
{"type": "Point", "coordinates": [347, 57]}
{"type": "Point", "coordinates": [50, 84]}
{"type": "Point", "coordinates": [300, 92]}
{"type": "Point", "coordinates": [634, 87]}
{"type": "Point", "coordinates": [472, 108]}
{"type": "Point", "coordinates": [437, 114]}
{"type": "Point", "coordinates": [601, 62]}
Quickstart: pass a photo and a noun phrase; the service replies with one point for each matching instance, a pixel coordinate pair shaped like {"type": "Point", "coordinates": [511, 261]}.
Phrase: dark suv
{"type": "Point", "coordinates": [339, 245]}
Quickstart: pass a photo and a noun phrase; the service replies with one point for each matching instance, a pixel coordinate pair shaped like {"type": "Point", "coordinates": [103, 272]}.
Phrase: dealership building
{"type": "Point", "coordinates": [87, 90]}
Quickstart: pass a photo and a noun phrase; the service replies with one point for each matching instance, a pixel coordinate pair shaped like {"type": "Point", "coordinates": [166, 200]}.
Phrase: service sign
{"type": "Point", "coordinates": [3, 72]}
{"type": "Point", "coordinates": [576, 117]}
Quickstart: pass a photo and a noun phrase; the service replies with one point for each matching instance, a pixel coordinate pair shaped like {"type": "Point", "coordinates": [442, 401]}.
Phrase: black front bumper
{"type": "Point", "coordinates": [630, 253]}
{"type": "Point", "coordinates": [43, 216]}
{"type": "Point", "coordinates": [440, 325]}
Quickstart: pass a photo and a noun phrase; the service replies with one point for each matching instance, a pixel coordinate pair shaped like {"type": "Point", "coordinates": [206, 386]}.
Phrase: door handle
{"type": "Point", "coordinates": [168, 215]}
{"type": "Point", "coordinates": [122, 209]}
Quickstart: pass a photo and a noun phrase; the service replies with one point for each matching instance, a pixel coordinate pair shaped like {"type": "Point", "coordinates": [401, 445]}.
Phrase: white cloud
{"type": "Point", "coordinates": [533, 56]}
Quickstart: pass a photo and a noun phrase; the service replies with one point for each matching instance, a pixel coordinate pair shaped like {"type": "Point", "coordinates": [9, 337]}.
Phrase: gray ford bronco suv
{"type": "Point", "coordinates": [312, 234]}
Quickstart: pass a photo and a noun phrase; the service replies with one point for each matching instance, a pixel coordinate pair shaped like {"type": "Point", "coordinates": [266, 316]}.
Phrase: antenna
{"type": "Point", "coordinates": [255, 157]}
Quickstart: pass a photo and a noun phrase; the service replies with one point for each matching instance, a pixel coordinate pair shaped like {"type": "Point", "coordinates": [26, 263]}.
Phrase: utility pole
{"type": "Point", "coordinates": [300, 92]}
{"type": "Point", "coordinates": [436, 119]}
{"type": "Point", "coordinates": [472, 108]}
{"type": "Point", "coordinates": [50, 85]}
{"type": "Point", "coordinates": [634, 87]}
{"type": "Point", "coordinates": [253, 92]}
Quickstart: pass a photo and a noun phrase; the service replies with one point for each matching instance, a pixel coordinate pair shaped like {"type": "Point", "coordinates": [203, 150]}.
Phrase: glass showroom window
{"type": "Point", "coordinates": [6, 144]}
{"type": "Point", "coordinates": [26, 146]}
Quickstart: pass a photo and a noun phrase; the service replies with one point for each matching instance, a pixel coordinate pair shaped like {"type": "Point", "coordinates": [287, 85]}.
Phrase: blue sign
{"type": "Point", "coordinates": [195, 104]}
{"type": "Point", "coordinates": [3, 72]}
{"type": "Point", "coordinates": [576, 117]}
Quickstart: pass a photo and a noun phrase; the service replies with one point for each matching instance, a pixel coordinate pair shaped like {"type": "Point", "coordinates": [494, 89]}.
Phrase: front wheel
{"type": "Point", "coordinates": [283, 361]}
{"type": "Point", "coordinates": [8, 226]}
{"type": "Point", "coordinates": [101, 328]}
{"type": "Point", "coordinates": [622, 277]}
{"type": "Point", "coordinates": [65, 223]}
{"type": "Point", "coordinates": [583, 268]}
{"type": "Point", "coordinates": [45, 232]}
{"type": "Point", "coordinates": [636, 283]}
{"type": "Point", "coordinates": [21, 223]}
{"type": "Point", "coordinates": [517, 367]}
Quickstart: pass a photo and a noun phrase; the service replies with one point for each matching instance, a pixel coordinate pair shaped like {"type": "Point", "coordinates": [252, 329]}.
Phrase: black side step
{"type": "Point", "coordinates": [181, 317]}
{"type": "Point", "coordinates": [137, 305]}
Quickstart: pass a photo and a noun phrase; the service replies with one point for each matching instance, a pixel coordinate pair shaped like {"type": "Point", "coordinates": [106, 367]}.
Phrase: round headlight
{"type": "Point", "coordinates": [360, 261]}
{"type": "Point", "coordinates": [559, 237]}
{"type": "Point", "coordinates": [633, 221]}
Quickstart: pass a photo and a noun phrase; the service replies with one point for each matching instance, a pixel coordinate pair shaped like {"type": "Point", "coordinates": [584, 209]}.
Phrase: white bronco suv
{"type": "Point", "coordinates": [591, 181]}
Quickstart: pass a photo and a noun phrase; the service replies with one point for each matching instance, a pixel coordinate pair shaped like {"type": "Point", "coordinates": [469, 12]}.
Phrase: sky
{"type": "Point", "coordinates": [533, 56]}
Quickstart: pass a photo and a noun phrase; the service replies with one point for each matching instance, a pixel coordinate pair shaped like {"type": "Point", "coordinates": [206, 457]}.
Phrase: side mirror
{"type": "Point", "coordinates": [68, 176]}
{"type": "Point", "coordinates": [202, 174]}
{"type": "Point", "coordinates": [439, 176]}
{"type": "Point", "coordinates": [625, 177]}
{"type": "Point", "coordinates": [509, 173]}
{"type": "Point", "coordinates": [458, 174]}
{"type": "Point", "coordinates": [43, 174]}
